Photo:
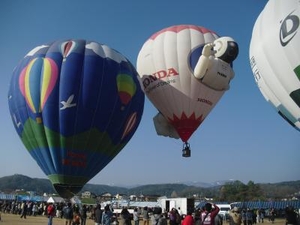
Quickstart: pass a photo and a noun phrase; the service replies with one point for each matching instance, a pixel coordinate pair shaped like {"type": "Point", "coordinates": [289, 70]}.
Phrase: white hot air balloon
{"type": "Point", "coordinates": [184, 71]}
{"type": "Point", "coordinates": [275, 57]}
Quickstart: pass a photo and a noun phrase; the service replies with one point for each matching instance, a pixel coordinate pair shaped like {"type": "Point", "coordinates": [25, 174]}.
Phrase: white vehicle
{"type": "Point", "coordinates": [224, 210]}
{"type": "Point", "coordinates": [184, 204]}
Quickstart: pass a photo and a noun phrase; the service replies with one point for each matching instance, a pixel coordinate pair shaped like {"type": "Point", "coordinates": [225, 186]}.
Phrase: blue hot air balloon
{"type": "Point", "coordinates": [75, 104]}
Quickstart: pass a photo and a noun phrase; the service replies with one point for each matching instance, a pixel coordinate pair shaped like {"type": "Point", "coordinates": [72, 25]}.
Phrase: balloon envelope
{"type": "Point", "coordinates": [275, 57]}
{"type": "Point", "coordinates": [166, 65]}
{"type": "Point", "coordinates": [75, 104]}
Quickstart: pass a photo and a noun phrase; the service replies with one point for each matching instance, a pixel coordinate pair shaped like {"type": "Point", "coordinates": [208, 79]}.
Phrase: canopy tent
{"type": "Point", "coordinates": [261, 204]}
{"type": "Point", "coordinates": [143, 204]}
{"type": "Point", "coordinates": [7, 197]}
{"type": "Point", "coordinates": [267, 204]}
{"type": "Point", "coordinates": [31, 198]}
{"type": "Point", "coordinates": [55, 200]}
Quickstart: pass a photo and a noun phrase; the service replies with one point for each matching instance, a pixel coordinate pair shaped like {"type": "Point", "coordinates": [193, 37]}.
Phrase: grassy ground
{"type": "Point", "coordinates": [11, 219]}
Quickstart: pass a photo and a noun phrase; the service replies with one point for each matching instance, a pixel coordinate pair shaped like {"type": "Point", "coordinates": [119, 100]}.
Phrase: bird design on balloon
{"type": "Point", "coordinates": [68, 104]}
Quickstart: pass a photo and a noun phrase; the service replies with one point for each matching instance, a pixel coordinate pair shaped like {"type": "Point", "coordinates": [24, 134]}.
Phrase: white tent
{"type": "Point", "coordinates": [55, 200]}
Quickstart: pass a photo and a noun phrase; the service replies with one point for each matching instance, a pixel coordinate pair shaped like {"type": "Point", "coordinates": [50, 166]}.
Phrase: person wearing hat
{"type": "Point", "coordinates": [211, 210]}
{"type": "Point", "coordinates": [235, 217]}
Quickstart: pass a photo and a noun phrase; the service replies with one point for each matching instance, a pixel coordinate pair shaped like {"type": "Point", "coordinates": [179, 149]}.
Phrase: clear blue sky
{"type": "Point", "coordinates": [243, 138]}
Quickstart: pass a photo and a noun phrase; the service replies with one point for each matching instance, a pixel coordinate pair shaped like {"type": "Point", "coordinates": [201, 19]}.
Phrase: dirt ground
{"type": "Point", "coordinates": [12, 219]}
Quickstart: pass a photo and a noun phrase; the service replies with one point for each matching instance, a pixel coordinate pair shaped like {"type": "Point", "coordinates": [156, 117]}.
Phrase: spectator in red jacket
{"type": "Point", "coordinates": [188, 219]}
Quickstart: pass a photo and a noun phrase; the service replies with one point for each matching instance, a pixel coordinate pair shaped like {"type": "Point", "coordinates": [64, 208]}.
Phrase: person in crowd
{"type": "Point", "coordinates": [244, 216]}
{"type": "Point", "coordinates": [98, 214]}
{"type": "Point", "coordinates": [156, 216]}
{"type": "Point", "coordinates": [68, 214]}
{"type": "Point", "coordinates": [76, 208]}
{"type": "Point", "coordinates": [50, 213]}
{"type": "Point", "coordinates": [211, 210]}
{"type": "Point", "coordinates": [83, 215]}
{"type": "Point", "coordinates": [188, 219]}
{"type": "Point", "coordinates": [219, 219]}
{"type": "Point", "coordinates": [235, 217]}
{"type": "Point", "coordinates": [76, 218]}
{"type": "Point", "coordinates": [261, 215]}
{"type": "Point", "coordinates": [24, 208]}
{"type": "Point", "coordinates": [107, 216]}
{"type": "Point", "coordinates": [254, 216]}
{"type": "Point", "coordinates": [291, 216]}
{"type": "Point", "coordinates": [136, 216]}
{"type": "Point", "coordinates": [145, 216]}
{"type": "Point", "coordinates": [164, 220]}
{"type": "Point", "coordinates": [35, 209]}
{"type": "Point", "coordinates": [257, 216]}
{"type": "Point", "coordinates": [179, 211]}
{"type": "Point", "coordinates": [272, 215]}
{"type": "Point", "coordinates": [178, 217]}
{"type": "Point", "coordinates": [125, 216]}
{"type": "Point", "coordinates": [172, 217]}
{"type": "Point", "coordinates": [197, 216]}
{"type": "Point", "coordinates": [249, 216]}
{"type": "Point", "coordinates": [59, 208]}
{"type": "Point", "coordinates": [29, 208]}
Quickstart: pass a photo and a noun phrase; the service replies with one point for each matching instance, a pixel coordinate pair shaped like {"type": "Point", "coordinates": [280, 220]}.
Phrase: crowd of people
{"type": "Point", "coordinates": [156, 216]}
{"type": "Point", "coordinates": [73, 214]}
{"type": "Point", "coordinates": [251, 216]}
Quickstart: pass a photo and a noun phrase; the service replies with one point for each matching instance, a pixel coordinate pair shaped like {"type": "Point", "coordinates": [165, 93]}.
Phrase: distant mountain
{"type": "Point", "coordinates": [18, 182]}
{"type": "Point", "coordinates": [99, 189]}
{"type": "Point", "coordinates": [9, 184]}
{"type": "Point", "coordinates": [206, 185]}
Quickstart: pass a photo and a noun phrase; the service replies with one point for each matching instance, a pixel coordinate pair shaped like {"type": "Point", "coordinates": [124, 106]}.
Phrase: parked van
{"type": "Point", "coordinates": [185, 204]}
{"type": "Point", "coordinates": [224, 210]}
